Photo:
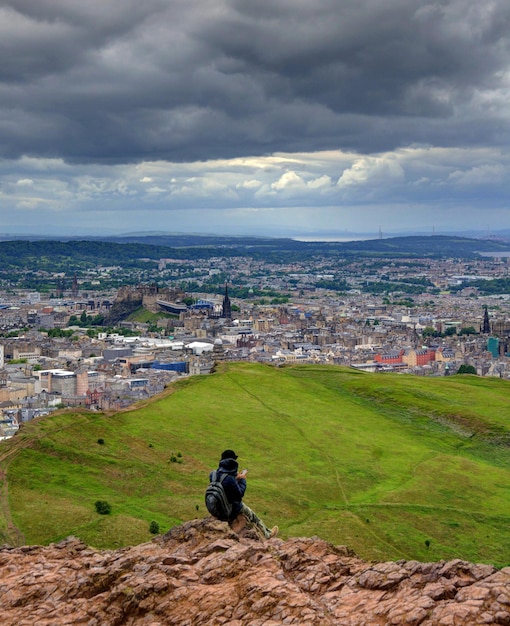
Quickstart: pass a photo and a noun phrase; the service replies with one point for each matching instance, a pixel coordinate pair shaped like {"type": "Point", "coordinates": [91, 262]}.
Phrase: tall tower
{"type": "Point", "coordinates": [486, 326]}
{"type": "Point", "coordinates": [415, 338]}
{"type": "Point", "coordinates": [226, 309]}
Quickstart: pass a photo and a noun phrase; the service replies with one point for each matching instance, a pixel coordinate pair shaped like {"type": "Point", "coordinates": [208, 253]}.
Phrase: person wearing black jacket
{"type": "Point", "coordinates": [235, 486]}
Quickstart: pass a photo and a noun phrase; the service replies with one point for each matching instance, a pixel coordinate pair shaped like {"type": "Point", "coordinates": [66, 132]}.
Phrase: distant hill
{"type": "Point", "coordinates": [418, 246]}
{"type": "Point", "coordinates": [136, 251]}
{"type": "Point", "coordinates": [393, 466]}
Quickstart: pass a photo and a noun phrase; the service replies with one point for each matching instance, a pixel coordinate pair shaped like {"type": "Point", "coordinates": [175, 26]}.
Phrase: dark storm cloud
{"type": "Point", "coordinates": [123, 80]}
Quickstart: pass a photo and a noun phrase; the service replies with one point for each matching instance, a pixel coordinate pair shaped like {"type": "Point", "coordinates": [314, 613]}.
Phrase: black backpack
{"type": "Point", "coordinates": [216, 498]}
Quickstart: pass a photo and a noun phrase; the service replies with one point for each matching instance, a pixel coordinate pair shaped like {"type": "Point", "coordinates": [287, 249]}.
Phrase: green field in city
{"type": "Point", "coordinates": [393, 466]}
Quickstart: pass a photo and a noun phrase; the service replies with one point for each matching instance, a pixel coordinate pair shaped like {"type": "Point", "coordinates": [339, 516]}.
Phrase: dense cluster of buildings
{"type": "Point", "coordinates": [100, 371]}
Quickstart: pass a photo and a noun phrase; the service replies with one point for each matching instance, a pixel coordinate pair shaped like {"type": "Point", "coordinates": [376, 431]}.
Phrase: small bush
{"type": "Point", "coordinates": [154, 528]}
{"type": "Point", "coordinates": [100, 441]}
{"type": "Point", "coordinates": [103, 507]}
{"type": "Point", "coordinates": [466, 369]}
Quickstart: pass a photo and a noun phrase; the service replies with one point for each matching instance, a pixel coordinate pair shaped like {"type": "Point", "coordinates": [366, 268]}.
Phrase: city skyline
{"type": "Point", "coordinates": [287, 119]}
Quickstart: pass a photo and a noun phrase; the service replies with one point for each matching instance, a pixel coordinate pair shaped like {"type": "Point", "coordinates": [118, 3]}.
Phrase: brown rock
{"type": "Point", "coordinates": [204, 573]}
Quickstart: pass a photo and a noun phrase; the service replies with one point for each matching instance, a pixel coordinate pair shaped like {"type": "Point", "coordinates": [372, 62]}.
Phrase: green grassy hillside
{"type": "Point", "coordinates": [393, 466]}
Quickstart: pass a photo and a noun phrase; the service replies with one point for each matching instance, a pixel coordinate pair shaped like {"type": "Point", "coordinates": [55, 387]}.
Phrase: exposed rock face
{"type": "Point", "coordinates": [131, 298]}
{"type": "Point", "coordinates": [202, 573]}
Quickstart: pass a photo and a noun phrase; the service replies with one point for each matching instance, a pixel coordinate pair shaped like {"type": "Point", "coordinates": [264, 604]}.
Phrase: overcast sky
{"type": "Point", "coordinates": [282, 117]}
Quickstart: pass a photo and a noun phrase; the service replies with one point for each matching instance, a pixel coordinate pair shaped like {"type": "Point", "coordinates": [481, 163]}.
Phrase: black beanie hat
{"type": "Point", "coordinates": [228, 454]}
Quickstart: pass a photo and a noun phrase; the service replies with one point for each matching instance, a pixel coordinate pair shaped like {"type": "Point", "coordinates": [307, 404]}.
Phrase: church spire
{"type": "Point", "coordinates": [226, 309]}
{"type": "Point", "coordinates": [486, 326]}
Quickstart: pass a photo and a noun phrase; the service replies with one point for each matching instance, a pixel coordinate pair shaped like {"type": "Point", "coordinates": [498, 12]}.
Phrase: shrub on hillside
{"type": "Point", "coordinates": [154, 528]}
{"type": "Point", "coordinates": [466, 369]}
{"type": "Point", "coordinates": [103, 507]}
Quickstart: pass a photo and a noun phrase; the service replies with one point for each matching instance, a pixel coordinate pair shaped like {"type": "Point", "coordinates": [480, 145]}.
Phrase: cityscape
{"type": "Point", "coordinates": [102, 348]}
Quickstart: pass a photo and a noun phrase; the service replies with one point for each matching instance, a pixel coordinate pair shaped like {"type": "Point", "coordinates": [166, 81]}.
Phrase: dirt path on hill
{"type": "Point", "coordinates": [312, 444]}
{"type": "Point", "coordinates": [338, 479]}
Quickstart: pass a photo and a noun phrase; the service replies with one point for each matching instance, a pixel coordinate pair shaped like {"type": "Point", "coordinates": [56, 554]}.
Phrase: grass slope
{"type": "Point", "coordinates": [393, 466]}
{"type": "Point", "coordinates": [145, 316]}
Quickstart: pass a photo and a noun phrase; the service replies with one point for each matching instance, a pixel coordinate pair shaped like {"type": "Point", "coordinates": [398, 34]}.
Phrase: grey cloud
{"type": "Point", "coordinates": [49, 38]}
{"type": "Point", "coordinates": [125, 81]}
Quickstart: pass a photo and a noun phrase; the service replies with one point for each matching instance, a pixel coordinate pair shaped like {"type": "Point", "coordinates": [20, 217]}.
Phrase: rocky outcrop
{"type": "Point", "coordinates": [202, 573]}
{"type": "Point", "coordinates": [129, 299]}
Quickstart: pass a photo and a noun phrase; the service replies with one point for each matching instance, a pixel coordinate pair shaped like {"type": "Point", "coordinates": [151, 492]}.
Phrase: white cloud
{"type": "Point", "coordinates": [289, 181]}
{"type": "Point", "coordinates": [156, 190]}
{"type": "Point", "coordinates": [373, 169]}
{"type": "Point", "coordinates": [488, 174]}
{"type": "Point", "coordinates": [253, 183]}
{"type": "Point", "coordinates": [324, 182]}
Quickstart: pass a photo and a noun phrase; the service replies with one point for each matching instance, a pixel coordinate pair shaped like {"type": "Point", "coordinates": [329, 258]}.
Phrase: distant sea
{"type": "Point", "coordinates": [339, 239]}
{"type": "Point", "coordinates": [495, 254]}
